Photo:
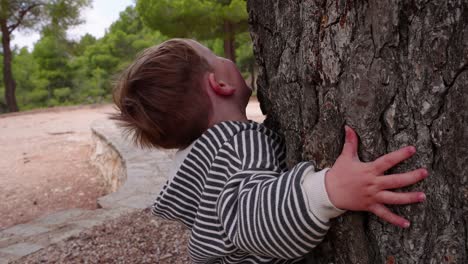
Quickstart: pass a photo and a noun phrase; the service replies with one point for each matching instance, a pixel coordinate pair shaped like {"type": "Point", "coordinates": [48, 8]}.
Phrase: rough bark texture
{"type": "Point", "coordinates": [397, 72]}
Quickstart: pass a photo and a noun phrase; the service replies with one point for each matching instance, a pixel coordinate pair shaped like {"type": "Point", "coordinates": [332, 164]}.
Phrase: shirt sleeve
{"type": "Point", "coordinates": [313, 187]}
{"type": "Point", "coordinates": [265, 210]}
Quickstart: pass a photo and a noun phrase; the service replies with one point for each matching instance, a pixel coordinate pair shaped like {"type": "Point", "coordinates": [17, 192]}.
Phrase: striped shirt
{"type": "Point", "coordinates": [241, 203]}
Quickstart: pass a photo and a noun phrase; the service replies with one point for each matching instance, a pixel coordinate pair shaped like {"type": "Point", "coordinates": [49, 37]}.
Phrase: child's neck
{"type": "Point", "coordinates": [221, 115]}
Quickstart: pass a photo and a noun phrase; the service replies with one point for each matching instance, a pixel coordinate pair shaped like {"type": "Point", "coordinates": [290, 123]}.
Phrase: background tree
{"type": "Point", "coordinates": [63, 71]}
{"type": "Point", "coordinates": [31, 15]}
{"type": "Point", "coordinates": [207, 19]}
{"type": "Point", "coordinates": [52, 55]}
{"type": "Point", "coordinates": [96, 62]}
{"type": "Point", "coordinates": [32, 87]}
{"type": "Point", "coordinates": [395, 71]}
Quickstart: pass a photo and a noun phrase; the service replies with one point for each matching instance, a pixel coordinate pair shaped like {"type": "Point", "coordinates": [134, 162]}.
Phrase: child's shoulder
{"type": "Point", "coordinates": [227, 130]}
{"type": "Point", "coordinates": [234, 133]}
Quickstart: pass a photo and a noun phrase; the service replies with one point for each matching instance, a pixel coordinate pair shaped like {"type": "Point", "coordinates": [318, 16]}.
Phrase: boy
{"type": "Point", "coordinates": [230, 185]}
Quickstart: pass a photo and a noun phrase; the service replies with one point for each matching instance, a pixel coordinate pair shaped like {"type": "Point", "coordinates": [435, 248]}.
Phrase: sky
{"type": "Point", "coordinates": [97, 18]}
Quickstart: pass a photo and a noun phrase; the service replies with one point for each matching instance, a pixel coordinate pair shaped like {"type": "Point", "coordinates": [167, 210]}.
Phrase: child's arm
{"type": "Point", "coordinates": [265, 212]}
{"type": "Point", "coordinates": [268, 213]}
{"type": "Point", "coordinates": [361, 186]}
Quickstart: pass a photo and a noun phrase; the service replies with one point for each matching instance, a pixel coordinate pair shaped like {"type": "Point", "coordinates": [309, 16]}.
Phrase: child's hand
{"type": "Point", "coordinates": [362, 186]}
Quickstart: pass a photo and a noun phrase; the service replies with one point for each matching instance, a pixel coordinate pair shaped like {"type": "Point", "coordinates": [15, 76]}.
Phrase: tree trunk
{"type": "Point", "coordinates": [9, 81]}
{"type": "Point", "coordinates": [397, 72]}
{"type": "Point", "coordinates": [229, 41]}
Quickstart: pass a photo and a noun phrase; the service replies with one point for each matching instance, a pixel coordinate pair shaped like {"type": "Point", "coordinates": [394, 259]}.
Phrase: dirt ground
{"type": "Point", "coordinates": [44, 161]}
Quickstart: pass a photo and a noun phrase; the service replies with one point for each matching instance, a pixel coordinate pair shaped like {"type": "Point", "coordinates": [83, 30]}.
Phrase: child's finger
{"type": "Point", "coordinates": [391, 159]}
{"type": "Point", "coordinates": [387, 215]}
{"type": "Point", "coordinates": [387, 197]}
{"type": "Point", "coordinates": [351, 143]}
{"type": "Point", "coordinates": [401, 179]}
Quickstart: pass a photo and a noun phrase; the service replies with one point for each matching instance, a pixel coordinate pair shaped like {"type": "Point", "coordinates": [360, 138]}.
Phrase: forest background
{"type": "Point", "coordinates": [60, 71]}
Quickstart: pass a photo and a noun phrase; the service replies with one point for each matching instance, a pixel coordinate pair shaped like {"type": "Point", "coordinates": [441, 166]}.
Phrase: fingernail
{"type": "Point", "coordinates": [347, 132]}
{"type": "Point", "coordinates": [424, 173]}
{"type": "Point", "coordinates": [422, 197]}
{"type": "Point", "coordinates": [406, 224]}
{"type": "Point", "coordinates": [412, 150]}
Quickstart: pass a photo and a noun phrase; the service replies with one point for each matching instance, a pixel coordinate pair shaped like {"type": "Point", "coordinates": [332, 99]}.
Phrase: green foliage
{"type": "Point", "coordinates": [223, 2]}
{"type": "Point", "coordinates": [49, 16]}
{"type": "Point", "coordinates": [244, 53]}
{"type": "Point", "coordinates": [78, 48]}
{"type": "Point", "coordinates": [63, 72]}
{"type": "Point", "coordinates": [52, 55]}
{"type": "Point", "coordinates": [40, 14]}
{"type": "Point", "coordinates": [102, 59]}
{"type": "Point", "coordinates": [192, 18]}
{"type": "Point", "coordinates": [62, 94]}
{"type": "Point", "coordinates": [31, 88]}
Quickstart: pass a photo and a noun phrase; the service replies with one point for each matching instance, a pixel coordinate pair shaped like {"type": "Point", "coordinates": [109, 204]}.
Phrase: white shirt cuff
{"type": "Point", "coordinates": [313, 187]}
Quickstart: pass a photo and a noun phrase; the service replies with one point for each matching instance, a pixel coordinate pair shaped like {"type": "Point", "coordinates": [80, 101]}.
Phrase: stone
{"type": "Point", "coordinates": [6, 241]}
{"type": "Point", "coordinates": [61, 217]}
{"type": "Point", "coordinates": [21, 249]}
{"type": "Point", "coordinates": [138, 201]}
{"type": "Point", "coordinates": [5, 258]}
{"type": "Point", "coordinates": [88, 223]}
{"type": "Point", "coordinates": [64, 235]}
{"type": "Point", "coordinates": [26, 230]}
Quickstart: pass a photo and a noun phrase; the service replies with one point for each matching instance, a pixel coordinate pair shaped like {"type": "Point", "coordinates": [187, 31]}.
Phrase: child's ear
{"type": "Point", "coordinates": [220, 88]}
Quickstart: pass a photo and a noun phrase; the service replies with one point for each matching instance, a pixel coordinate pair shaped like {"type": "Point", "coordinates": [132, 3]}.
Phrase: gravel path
{"type": "Point", "coordinates": [134, 238]}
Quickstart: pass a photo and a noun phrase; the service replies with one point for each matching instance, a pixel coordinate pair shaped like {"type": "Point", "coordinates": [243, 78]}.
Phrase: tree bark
{"type": "Point", "coordinates": [9, 81]}
{"type": "Point", "coordinates": [397, 72]}
{"type": "Point", "coordinates": [229, 41]}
